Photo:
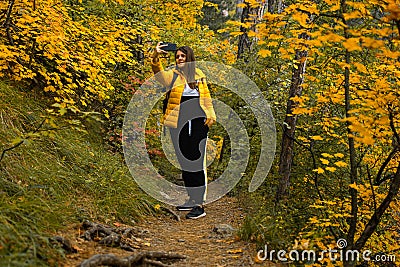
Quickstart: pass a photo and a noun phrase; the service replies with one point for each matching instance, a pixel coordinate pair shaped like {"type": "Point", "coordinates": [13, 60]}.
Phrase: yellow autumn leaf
{"type": "Point", "coordinates": [62, 111]}
{"type": "Point", "coordinates": [301, 18]}
{"type": "Point", "coordinates": [360, 67]}
{"type": "Point", "coordinates": [319, 170]}
{"type": "Point", "coordinates": [235, 251]}
{"type": "Point", "coordinates": [372, 43]}
{"type": "Point", "coordinates": [210, 4]}
{"type": "Point", "coordinates": [105, 111]}
{"type": "Point", "coordinates": [368, 140]}
{"type": "Point", "coordinates": [339, 155]}
{"type": "Point", "coordinates": [234, 34]}
{"type": "Point", "coordinates": [256, 259]}
{"type": "Point", "coordinates": [335, 7]}
{"type": "Point", "coordinates": [340, 164]}
{"type": "Point", "coordinates": [326, 155]}
{"type": "Point", "coordinates": [354, 186]}
{"type": "Point", "coordinates": [157, 207]}
{"type": "Point", "coordinates": [253, 3]}
{"type": "Point", "coordinates": [50, 88]}
{"type": "Point", "coordinates": [252, 34]}
{"type": "Point", "coordinates": [274, 44]}
{"type": "Point", "coordinates": [332, 37]}
{"type": "Point", "coordinates": [322, 99]}
{"type": "Point", "coordinates": [324, 161]}
{"type": "Point", "coordinates": [352, 44]}
{"type": "Point", "coordinates": [313, 9]}
{"type": "Point", "coordinates": [264, 53]}
{"type": "Point", "coordinates": [352, 15]}
{"type": "Point", "coordinates": [331, 169]}
{"type": "Point", "coordinates": [316, 137]}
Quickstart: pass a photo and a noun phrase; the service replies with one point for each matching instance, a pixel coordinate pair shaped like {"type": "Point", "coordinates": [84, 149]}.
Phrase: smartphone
{"type": "Point", "coordinates": [169, 47]}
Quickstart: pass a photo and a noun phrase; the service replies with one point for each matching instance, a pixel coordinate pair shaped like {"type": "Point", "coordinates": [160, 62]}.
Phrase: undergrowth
{"type": "Point", "coordinates": [55, 172]}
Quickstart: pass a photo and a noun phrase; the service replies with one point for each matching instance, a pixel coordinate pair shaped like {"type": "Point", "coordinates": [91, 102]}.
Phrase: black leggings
{"type": "Point", "coordinates": [189, 140]}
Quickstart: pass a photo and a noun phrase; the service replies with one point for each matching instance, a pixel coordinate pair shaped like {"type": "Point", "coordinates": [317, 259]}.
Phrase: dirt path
{"type": "Point", "coordinates": [194, 238]}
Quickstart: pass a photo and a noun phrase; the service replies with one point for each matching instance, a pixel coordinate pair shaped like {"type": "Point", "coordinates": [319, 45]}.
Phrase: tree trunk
{"type": "Point", "coordinates": [353, 165]}
{"type": "Point", "coordinates": [248, 13]}
{"type": "Point", "coordinates": [239, 10]}
{"type": "Point", "coordinates": [275, 6]}
{"type": "Point", "coordinates": [7, 22]}
{"type": "Point", "coordinates": [353, 155]}
{"type": "Point", "coordinates": [243, 38]}
{"type": "Point", "coordinates": [289, 126]}
{"type": "Point", "coordinates": [376, 217]}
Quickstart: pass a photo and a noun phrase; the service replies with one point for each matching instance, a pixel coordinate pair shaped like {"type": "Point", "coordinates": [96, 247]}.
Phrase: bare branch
{"type": "Point", "coordinates": [396, 135]}
{"type": "Point", "coordinates": [150, 257]}
{"type": "Point", "coordinates": [7, 22]}
{"type": "Point", "coordinates": [10, 148]}
{"type": "Point", "coordinates": [20, 142]}
{"type": "Point", "coordinates": [372, 187]}
{"type": "Point", "coordinates": [376, 217]}
{"type": "Point", "coordinates": [393, 153]}
{"type": "Point", "coordinates": [398, 25]}
{"type": "Point", "coordinates": [378, 179]}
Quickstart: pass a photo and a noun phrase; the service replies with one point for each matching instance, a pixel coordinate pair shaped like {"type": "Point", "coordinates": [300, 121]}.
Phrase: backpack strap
{"type": "Point", "coordinates": [173, 80]}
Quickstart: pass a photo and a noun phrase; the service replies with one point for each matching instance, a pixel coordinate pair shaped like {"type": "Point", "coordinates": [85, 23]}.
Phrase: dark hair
{"type": "Point", "coordinates": [190, 69]}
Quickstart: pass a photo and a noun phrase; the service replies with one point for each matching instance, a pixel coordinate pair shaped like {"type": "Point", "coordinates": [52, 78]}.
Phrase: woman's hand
{"type": "Point", "coordinates": [209, 122]}
{"type": "Point", "coordinates": [159, 50]}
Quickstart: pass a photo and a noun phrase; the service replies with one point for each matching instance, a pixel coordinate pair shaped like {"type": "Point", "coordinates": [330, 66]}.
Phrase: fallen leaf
{"type": "Point", "coordinates": [77, 248]}
{"type": "Point", "coordinates": [235, 251]}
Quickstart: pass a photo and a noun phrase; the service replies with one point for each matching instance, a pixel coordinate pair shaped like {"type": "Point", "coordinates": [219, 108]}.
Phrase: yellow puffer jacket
{"type": "Point", "coordinates": [170, 119]}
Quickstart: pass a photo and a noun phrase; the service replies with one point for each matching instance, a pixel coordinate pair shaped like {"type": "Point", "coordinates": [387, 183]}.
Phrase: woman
{"type": "Point", "coordinates": [189, 115]}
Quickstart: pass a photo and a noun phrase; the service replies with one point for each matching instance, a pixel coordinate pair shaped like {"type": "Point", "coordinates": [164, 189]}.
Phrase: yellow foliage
{"type": "Point", "coordinates": [264, 53]}
{"type": "Point", "coordinates": [331, 169]}
{"type": "Point", "coordinates": [340, 164]}
{"type": "Point", "coordinates": [253, 3]}
{"type": "Point", "coordinates": [326, 155]}
{"type": "Point", "coordinates": [322, 99]}
{"type": "Point", "coordinates": [331, 37]}
{"type": "Point", "coordinates": [319, 170]}
{"type": "Point", "coordinates": [360, 67]}
{"type": "Point", "coordinates": [352, 44]}
{"type": "Point", "coordinates": [354, 186]}
{"type": "Point", "coordinates": [324, 161]}
{"type": "Point", "coordinates": [372, 43]}
{"type": "Point", "coordinates": [301, 18]}
{"type": "Point", "coordinates": [352, 15]}
{"type": "Point", "coordinates": [317, 138]}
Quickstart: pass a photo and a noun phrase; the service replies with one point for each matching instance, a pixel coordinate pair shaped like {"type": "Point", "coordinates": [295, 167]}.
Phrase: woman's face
{"type": "Point", "coordinates": [180, 58]}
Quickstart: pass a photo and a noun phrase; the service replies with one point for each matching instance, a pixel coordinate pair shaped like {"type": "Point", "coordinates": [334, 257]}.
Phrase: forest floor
{"type": "Point", "coordinates": [195, 239]}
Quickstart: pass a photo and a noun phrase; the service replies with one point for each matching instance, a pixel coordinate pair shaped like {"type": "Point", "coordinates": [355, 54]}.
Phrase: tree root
{"type": "Point", "coordinates": [66, 245]}
{"type": "Point", "coordinates": [126, 238]}
{"type": "Point", "coordinates": [147, 258]}
{"type": "Point", "coordinates": [174, 214]}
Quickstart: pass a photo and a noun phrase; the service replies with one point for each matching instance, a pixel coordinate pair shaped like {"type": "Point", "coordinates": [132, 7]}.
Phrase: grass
{"type": "Point", "coordinates": [59, 175]}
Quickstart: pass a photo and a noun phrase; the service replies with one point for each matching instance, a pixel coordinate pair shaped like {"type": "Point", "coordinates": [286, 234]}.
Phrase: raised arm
{"type": "Point", "coordinates": [164, 77]}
